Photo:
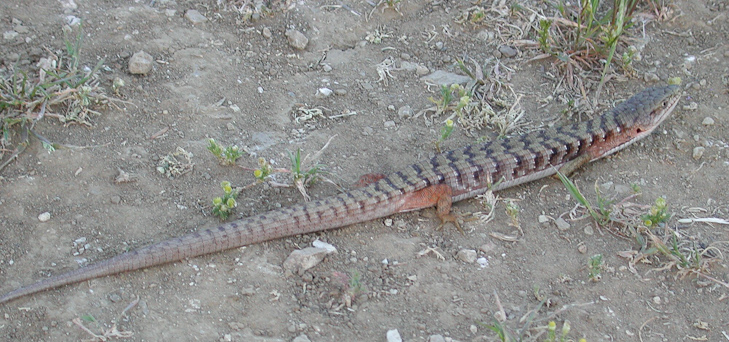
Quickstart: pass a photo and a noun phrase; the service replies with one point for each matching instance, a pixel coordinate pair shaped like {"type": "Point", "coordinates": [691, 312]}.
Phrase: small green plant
{"type": "Point", "coordinates": [601, 214]}
{"type": "Point", "coordinates": [302, 177]}
{"type": "Point", "coordinates": [512, 209]}
{"type": "Point", "coordinates": [264, 170]}
{"type": "Point", "coordinates": [595, 266]}
{"type": "Point", "coordinates": [657, 214]}
{"type": "Point", "coordinates": [544, 37]}
{"type": "Point", "coordinates": [445, 132]}
{"type": "Point", "coordinates": [586, 37]}
{"type": "Point", "coordinates": [223, 206]}
{"type": "Point", "coordinates": [226, 155]}
{"type": "Point", "coordinates": [60, 83]}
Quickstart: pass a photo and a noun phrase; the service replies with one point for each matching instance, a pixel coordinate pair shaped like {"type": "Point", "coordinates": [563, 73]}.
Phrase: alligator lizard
{"type": "Point", "coordinates": [445, 178]}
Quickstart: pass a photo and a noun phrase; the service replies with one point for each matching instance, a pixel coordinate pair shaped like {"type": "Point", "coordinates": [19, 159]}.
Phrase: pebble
{"type": "Point", "coordinates": [323, 92]}
{"type": "Point", "coordinates": [466, 255]}
{"type": "Point", "coordinates": [10, 35]}
{"type": "Point", "coordinates": [393, 336]}
{"type": "Point", "coordinates": [326, 68]}
{"type": "Point", "coordinates": [589, 230]}
{"type": "Point", "coordinates": [441, 77]}
{"type": "Point", "coordinates": [698, 152]}
{"type": "Point", "coordinates": [657, 300]}
{"type": "Point", "coordinates": [562, 224]}
{"type": "Point", "coordinates": [691, 106]}
{"type": "Point", "coordinates": [487, 247]}
{"type": "Point", "coordinates": [44, 217]}
{"type": "Point", "coordinates": [389, 124]}
{"type": "Point", "coordinates": [708, 121]}
{"type": "Point", "coordinates": [508, 51]}
{"type": "Point", "coordinates": [651, 77]}
{"type": "Point", "coordinates": [266, 33]}
{"type": "Point", "coordinates": [543, 219]}
{"type": "Point", "coordinates": [321, 244]}
{"type": "Point", "coordinates": [303, 259]}
{"type": "Point", "coordinates": [140, 63]}
{"type": "Point", "coordinates": [115, 199]}
{"type": "Point", "coordinates": [421, 70]}
{"type": "Point", "coordinates": [340, 92]}
{"type": "Point", "coordinates": [405, 112]}
{"type": "Point", "coordinates": [195, 17]}
{"type": "Point", "coordinates": [582, 248]}
{"type": "Point", "coordinates": [301, 338]}
{"type": "Point", "coordinates": [297, 39]}
{"type": "Point", "coordinates": [436, 338]}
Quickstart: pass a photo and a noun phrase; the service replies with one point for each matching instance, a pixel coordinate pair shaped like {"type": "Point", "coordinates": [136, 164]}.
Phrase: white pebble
{"type": "Point", "coordinates": [44, 217]}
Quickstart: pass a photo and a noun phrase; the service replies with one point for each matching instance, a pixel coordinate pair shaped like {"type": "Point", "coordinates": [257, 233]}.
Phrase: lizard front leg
{"type": "Point", "coordinates": [440, 196]}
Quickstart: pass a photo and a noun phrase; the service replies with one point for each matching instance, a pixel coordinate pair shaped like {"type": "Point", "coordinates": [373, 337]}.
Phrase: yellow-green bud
{"type": "Point", "coordinates": [217, 201]}
{"type": "Point", "coordinates": [231, 203]}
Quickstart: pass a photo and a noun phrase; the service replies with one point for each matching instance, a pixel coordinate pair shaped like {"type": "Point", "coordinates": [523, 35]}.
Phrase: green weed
{"type": "Point", "coordinates": [223, 206]}
{"type": "Point", "coordinates": [595, 266]}
{"type": "Point", "coordinates": [445, 132]}
{"type": "Point", "coordinates": [587, 37]}
{"type": "Point", "coordinates": [226, 155]}
{"type": "Point", "coordinates": [601, 213]}
{"type": "Point", "coordinates": [59, 85]}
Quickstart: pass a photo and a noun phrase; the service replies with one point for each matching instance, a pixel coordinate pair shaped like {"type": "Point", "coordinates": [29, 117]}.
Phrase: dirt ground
{"type": "Point", "coordinates": [229, 80]}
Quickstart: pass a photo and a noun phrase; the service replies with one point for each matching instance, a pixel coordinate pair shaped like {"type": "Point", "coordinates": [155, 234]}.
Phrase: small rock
{"type": "Point", "coordinates": [485, 35]}
{"type": "Point", "coordinates": [140, 63]}
{"type": "Point", "coordinates": [405, 56]}
{"type": "Point", "coordinates": [230, 127]}
{"type": "Point", "coordinates": [266, 33]}
{"type": "Point", "coordinates": [487, 247]}
{"type": "Point", "coordinates": [421, 70]}
{"type": "Point", "coordinates": [582, 248]}
{"type": "Point", "coordinates": [657, 300]}
{"type": "Point", "coordinates": [588, 230]}
{"type": "Point", "coordinates": [651, 77]}
{"type": "Point", "coordinates": [543, 219]}
{"type": "Point", "coordinates": [326, 68]}
{"type": "Point", "coordinates": [508, 51]}
{"type": "Point", "coordinates": [303, 259]}
{"type": "Point", "coordinates": [405, 112]}
{"type": "Point", "coordinates": [44, 217]}
{"type": "Point", "coordinates": [708, 121]}
{"type": "Point", "coordinates": [466, 255]}
{"type": "Point", "coordinates": [441, 77]}
{"type": "Point", "coordinates": [297, 39]}
{"type": "Point", "coordinates": [388, 222]}
{"type": "Point", "coordinates": [10, 35]}
{"type": "Point", "coordinates": [301, 338]}
{"type": "Point", "coordinates": [562, 224]}
{"type": "Point", "coordinates": [114, 297]}
{"type": "Point", "coordinates": [408, 66]}
{"type": "Point", "coordinates": [483, 262]}
{"type": "Point", "coordinates": [389, 124]}
{"type": "Point", "coordinates": [698, 152]}
{"type": "Point", "coordinates": [436, 338]}
{"type": "Point", "coordinates": [340, 92]}
{"type": "Point", "coordinates": [323, 92]}
{"type": "Point", "coordinates": [195, 17]}
{"type": "Point", "coordinates": [393, 336]}
{"type": "Point", "coordinates": [321, 244]}
{"type": "Point", "coordinates": [115, 199]}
